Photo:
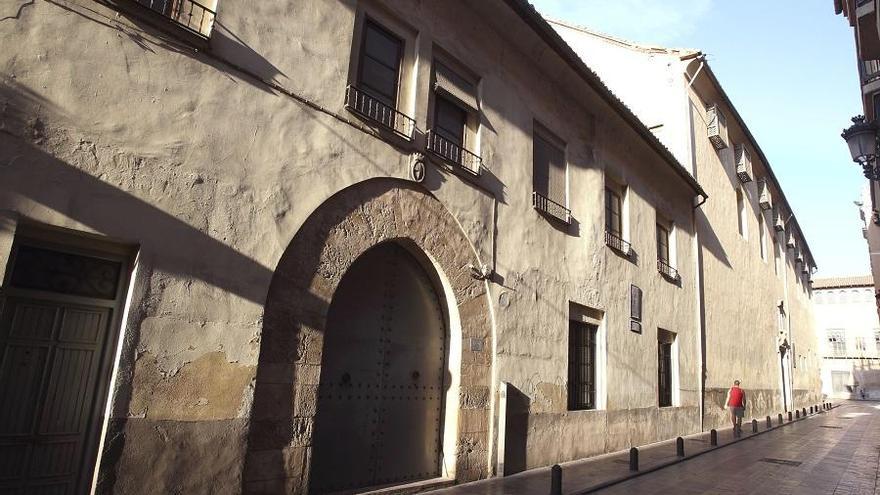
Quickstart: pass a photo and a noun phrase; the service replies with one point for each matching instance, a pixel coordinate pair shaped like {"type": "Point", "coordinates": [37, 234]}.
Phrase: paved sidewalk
{"type": "Point", "coordinates": [837, 451]}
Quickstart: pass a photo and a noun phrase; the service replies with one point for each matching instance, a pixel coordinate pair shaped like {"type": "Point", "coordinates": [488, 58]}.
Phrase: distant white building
{"type": "Point", "coordinates": [849, 335]}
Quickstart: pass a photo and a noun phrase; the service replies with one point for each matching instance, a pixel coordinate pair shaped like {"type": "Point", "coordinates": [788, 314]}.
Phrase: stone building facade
{"type": "Point", "coordinates": [849, 333]}
{"type": "Point", "coordinates": [238, 237]}
{"type": "Point", "coordinates": [755, 266]}
{"type": "Point", "coordinates": [864, 17]}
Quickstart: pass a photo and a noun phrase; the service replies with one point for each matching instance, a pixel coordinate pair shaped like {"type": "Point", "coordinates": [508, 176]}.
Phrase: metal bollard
{"type": "Point", "coordinates": [797, 414]}
{"type": "Point", "coordinates": [769, 423]}
{"type": "Point", "coordinates": [789, 415]}
{"type": "Point", "coordinates": [804, 412]}
{"type": "Point", "coordinates": [780, 418]}
{"type": "Point", "coordinates": [713, 437]}
{"type": "Point", "coordinates": [679, 447]}
{"type": "Point", "coordinates": [633, 459]}
{"type": "Point", "coordinates": [754, 426]}
{"type": "Point", "coordinates": [556, 480]}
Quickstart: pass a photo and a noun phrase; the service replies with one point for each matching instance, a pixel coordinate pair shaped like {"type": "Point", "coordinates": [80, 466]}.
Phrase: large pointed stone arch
{"type": "Point", "coordinates": [334, 236]}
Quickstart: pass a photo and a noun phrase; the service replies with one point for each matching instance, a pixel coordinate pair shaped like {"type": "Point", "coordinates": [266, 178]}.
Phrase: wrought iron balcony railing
{"type": "Point", "coordinates": [550, 207]}
{"type": "Point", "coordinates": [371, 108]}
{"type": "Point", "coordinates": [616, 242]}
{"type": "Point", "coordinates": [870, 71]}
{"type": "Point", "coordinates": [667, 270]}
{"type": "Point", "coordinates": [187, 14]}
{"type": "Point", "coordinates": [446, 149]}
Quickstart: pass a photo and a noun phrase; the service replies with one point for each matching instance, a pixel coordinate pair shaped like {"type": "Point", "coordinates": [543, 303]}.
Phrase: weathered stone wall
{"type": "Point", "coordinates": [215, 163]}
{"type": "Point", "coordinates": [743, 290]}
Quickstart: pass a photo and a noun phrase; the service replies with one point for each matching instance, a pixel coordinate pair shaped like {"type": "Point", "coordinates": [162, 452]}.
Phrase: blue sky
{"type": "Point", "coordinates": [789, 67]}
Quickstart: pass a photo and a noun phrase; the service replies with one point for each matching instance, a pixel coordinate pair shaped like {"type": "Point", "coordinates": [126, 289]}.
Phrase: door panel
{"type": "Point", "coordinates": [51, 355]}
{"type": "Point", "coordinates": [380, 401]}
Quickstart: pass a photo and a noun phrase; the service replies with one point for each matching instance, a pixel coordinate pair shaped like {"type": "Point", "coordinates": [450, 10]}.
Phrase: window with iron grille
{"type": "Point", "coordinates": [860, 344]}
{"type": "Point", "coordinates": [837, 342]}
{"type": "Point", "coordinates": [665, 342]}
{"type": "Point", "coordinates": [374, 93]}
{"type": "Point", "coordinates": [581, 365]}
{"type": "Point", "coordinates": [196, 17]}
{"type": "Point", "coordinates": [455, 118]}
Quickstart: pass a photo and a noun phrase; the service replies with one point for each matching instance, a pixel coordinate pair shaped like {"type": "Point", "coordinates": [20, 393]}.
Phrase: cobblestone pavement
{"type": "Point", "coordinates": [834, 452]}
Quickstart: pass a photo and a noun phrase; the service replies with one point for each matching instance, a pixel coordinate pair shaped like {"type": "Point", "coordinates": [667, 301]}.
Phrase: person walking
{"type": "Point", "coordinates": [736, 404]}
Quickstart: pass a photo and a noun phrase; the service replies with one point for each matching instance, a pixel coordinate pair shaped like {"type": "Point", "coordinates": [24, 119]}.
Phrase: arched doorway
{"type": "Point", "coordinates": [379, 411]}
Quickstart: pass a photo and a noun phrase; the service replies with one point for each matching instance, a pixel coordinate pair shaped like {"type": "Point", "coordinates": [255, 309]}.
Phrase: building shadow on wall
{"type": "Point", "coordinates": [33, 179]}
{"type": "Point", "coordinates": [709, 239]}
{"type": "Point", "coordinates": [516, 431]}
{"type": "Point", "coordinates": [236, 53]}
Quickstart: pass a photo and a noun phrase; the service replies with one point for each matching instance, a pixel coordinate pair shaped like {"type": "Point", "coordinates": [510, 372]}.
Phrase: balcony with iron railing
{"type": "Point", "coordinates": [870, 71]}
{"type": "Point", "coordinates": [667, 270]}
{"type": "Point", "coordinates": [451, 152]}
{"type": "Point", "coordinates": [190, 15]}
{"type": "Point", "coordinates": [550, 207]}
{"type": "Point", "coordinates": [371, 108]}
{"type": "Point", "coordinates": [614, 241]}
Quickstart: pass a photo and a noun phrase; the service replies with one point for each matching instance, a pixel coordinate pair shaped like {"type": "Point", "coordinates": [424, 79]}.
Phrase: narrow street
{"type": "Point", "coordinates": [837, 454]}
{"type": "Point", "coordinates": [834, 452]}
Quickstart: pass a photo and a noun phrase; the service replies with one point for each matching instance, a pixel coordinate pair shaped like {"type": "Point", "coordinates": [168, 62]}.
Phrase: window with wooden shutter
{"type": "Point", "coordinates": [613, 218]}
{"type": "Point", "coordinates": [548, 174]}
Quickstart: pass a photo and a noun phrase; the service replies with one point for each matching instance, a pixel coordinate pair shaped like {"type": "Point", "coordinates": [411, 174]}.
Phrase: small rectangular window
{"type": "Point", "coordinates": [613, 218]}
{"type": "Point", "coordinates": [582, 366]}
{"type": "Point", "coordinates": [837, 342]}
{"type": "Point", "coordinates": [741, 213]}
{"type": "Point", "coordinates": [662, 244]}
{"type": "Point", "coordinates": [763, 230]}
{"type": "Point", "coordinates": [777, 260]}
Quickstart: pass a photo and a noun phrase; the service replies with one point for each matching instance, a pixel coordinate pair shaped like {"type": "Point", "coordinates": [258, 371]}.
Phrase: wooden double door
{"type": "Point", "coordinates": [57, 323]}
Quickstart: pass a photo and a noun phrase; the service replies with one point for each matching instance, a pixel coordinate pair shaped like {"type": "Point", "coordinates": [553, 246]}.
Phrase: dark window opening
{"type": "Point", "coordinates": [663, 244]}
{"type": "Point", "coordinates": [613, 219]}
{"type": "Point", "coordinates": [379, 67]}
{"type": "Point", "coordinates": [65, 273]}
{"type": "Point", "coordinates": [664, 367]}
{"type": "Point", "coordinates": [581, 366]}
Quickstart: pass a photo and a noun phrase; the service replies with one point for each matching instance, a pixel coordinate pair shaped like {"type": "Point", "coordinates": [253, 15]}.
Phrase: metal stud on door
{"type": "Point", "coordinates": [380, 403]}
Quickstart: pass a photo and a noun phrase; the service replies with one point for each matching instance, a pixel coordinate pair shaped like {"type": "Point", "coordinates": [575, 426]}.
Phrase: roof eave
{"type": "Point", "coordinates": [546, 32]}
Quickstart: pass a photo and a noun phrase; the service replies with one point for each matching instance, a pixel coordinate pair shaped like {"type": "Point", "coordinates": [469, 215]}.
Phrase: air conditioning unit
{"type": "Point", "coordinates": [743, 163]}
{"type": "Point", "coordinates": [716, 125]}
{"type": "Point", "coordinates": [764, 197]}
{"type": "Point", "coordinates": [778, 222]}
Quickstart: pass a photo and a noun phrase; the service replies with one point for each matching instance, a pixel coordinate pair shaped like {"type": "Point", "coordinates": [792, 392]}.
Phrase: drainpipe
{"type": "Point", "coordinates": [700, 306]}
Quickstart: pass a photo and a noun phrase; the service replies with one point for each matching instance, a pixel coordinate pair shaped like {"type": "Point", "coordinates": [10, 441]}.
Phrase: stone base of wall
{"type": "Point", "coordinates": [164, 457]}
{"type": "Point", "coordinates": [560, 437]}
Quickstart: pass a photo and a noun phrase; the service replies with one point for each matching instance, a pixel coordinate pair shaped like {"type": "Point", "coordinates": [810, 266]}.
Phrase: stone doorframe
{"type": "Point", "coordinates": [332, 238]}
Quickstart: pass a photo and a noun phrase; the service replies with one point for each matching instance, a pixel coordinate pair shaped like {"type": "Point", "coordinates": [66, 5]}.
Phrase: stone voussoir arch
{"type": "Point", "coordinates": [325, 247]}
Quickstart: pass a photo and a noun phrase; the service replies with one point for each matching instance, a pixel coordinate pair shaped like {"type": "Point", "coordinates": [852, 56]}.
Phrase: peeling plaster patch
{"type": "Point", "coordinates": [208, 388]}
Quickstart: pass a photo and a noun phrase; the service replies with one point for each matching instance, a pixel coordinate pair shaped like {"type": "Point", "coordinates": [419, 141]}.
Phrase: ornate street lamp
{"type": "Point", "coordinates": [861, 138]}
